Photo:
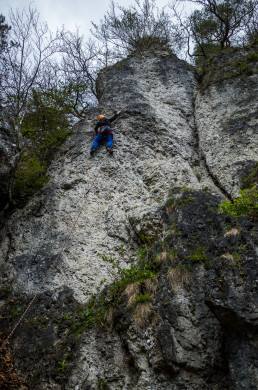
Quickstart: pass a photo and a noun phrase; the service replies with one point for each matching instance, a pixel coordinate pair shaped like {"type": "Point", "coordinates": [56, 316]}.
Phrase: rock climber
{"type": "Point", "coordinates": [104, 130]}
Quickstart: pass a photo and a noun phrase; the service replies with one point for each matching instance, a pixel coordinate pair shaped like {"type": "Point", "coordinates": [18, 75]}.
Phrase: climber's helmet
{"type": "Point", "coordinates": [101, 116]}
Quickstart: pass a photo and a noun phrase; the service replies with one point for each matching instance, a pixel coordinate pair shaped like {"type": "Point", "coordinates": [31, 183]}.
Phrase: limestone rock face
{"type": "Point", "coordinates": [202, 332]}
{"type": "Point", "coordinates": [7, 157]}
{"type": "Point", "coordinates": [169, 137]}
{"type": "Point", "coordinates": [226, 118]}
{"type": "Point", "coordinates": [155, 149]}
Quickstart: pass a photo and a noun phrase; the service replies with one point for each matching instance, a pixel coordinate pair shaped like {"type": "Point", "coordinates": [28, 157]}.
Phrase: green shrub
{"type": "Point", "coordinates": [245, 205]}
{"type": "Point", "coordinates": [149, 42]}
{"type": "Point", "coordinates": [143, 298]}
{"type": "Point", "coordinates": [199, 256]}
{"type": "Point", "coordinates": [241, 65]}
{"type": "Point", "coordinates": [136, 273]}
{"type": "Point", "coordinates": [222, 67]}
{"type": "Point", "coordinates": [102, 384]}
{"type": "Point", "coordinates": [185, 201]}
{"type": "Point", "coordinates": [29, 176]}
{"type": "Point", "coordinates": [252, 57]}
{"type": "Point", "coordinates": [45, 126]}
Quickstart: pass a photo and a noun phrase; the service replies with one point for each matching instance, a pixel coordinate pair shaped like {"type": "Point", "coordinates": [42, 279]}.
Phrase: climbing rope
{"type": "Point", "coordinates": [57, 257]}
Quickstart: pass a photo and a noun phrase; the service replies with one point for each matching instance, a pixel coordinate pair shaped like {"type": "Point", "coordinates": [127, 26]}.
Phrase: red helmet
{"type": "Point", "coordinates": [101, 116]}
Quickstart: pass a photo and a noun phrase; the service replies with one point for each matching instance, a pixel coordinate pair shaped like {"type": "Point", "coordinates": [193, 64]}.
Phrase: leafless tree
{"type": "Point", "coordinates": [136, 27]}
{"type": "Point", "coordinates": [79, 60]}
{"type": "Point", "coordinates": [33, 44]}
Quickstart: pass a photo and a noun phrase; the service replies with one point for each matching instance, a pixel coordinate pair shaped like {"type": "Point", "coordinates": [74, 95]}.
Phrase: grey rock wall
{"type": "Point", "coordinates": [226, 118]}
{"type": "Point", "coordinates": [7, 158]}
{"type": "Point", "coordinates": [155, 149]}
{"type": "Point", "coordinates": [202, 332]}
{"type": "Point", "coordinates": [168, 137]}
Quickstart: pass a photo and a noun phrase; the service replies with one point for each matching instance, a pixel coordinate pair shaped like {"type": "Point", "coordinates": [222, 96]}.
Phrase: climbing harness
{"type": "Point", "coordinates": [57, 257]}
{"type": "Point", "coordinates": [104, 130]}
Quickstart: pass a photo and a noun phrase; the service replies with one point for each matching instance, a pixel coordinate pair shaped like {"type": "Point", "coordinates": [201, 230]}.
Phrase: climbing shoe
{"type": "Point", "coordinates": [109, 150]}
{"type": "Point", "coordinates": [92, 151]}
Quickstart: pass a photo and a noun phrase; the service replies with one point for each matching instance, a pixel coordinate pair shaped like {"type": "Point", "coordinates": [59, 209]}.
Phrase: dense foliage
{"type": "Point", "coordinates": [220, 24]}
{"type": "Point", "coordinates": [245, 205]}
{"type": "Point", "coordinates": [45, 126]}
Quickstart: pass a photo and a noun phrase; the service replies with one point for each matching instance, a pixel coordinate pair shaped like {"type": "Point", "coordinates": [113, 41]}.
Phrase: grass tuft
{"type": "Point", "coordinates": [141, 314]}
{"type": "Point", "coordinates": [177, 277]}
{"type": "Point", "coordinates": [131, 291]}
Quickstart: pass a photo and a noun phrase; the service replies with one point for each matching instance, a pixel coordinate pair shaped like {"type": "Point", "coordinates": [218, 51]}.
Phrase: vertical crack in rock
{"type": "Point", "coordinates": [226, 118]}
{"type": "Point", "coordinates": [202, 157]}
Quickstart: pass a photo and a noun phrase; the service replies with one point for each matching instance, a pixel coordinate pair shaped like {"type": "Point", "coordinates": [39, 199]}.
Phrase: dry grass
{"type": "Point", "coordinates": [131, 292]}
{"type": "Point", "coordinates": [235, 258]}
{"type": "Point", "coordinates": [151, 286]}
{"type": "Point", "coordinates": [171, 205]}
{"type": "Point", "coordinates": [165, 256]}
{"type": "Point", "coordinates": [177, 277]}
{"type": "Point", "coordinates": [162, 256]}
{"type": "Point", "coordinates": [8, 377]}
{"type": "Point", "coordinates": [228, 256]}
{"type": "Point", "coordinates": [109, 316]}
{"type": "Point", "coordinates": [156, 318]}
{"type": "Point", "coordinates": [141, 313]}
{"type": "Point", "coordinates": [232, 232]}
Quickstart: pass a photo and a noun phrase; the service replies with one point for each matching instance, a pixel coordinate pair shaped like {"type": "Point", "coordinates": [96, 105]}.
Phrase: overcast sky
{"type": "Point", "coordinates": [69, 13]}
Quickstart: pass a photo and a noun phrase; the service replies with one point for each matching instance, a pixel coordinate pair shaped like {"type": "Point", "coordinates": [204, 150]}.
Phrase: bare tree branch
{"type": "Point", "coordinates": [33, 46]}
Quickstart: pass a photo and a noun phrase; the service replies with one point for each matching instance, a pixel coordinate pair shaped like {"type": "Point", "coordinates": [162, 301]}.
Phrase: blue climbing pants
{"type": "Point", "coordinates": [100, 137]}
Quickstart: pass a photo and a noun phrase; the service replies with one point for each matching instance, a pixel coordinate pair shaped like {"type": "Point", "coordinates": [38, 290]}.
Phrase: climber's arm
{"type": "Point", "coordinates": [96, 127]}
{"type": "Point", "coordinates": [115, 116]}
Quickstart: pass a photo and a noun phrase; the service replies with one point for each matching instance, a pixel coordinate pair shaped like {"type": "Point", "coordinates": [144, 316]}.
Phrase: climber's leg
{"type": "Point", "coordinates": [109, 141]}
{"type": "Point", "coordinates": [97, 141]}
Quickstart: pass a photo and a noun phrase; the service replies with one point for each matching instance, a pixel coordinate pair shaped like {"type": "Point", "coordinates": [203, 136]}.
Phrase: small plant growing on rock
{"type": "Point", "coordinates": [170, 256]}
{"type": "Point", "coordinates": [30, 175]}
{"type": "Point", "coordinates": [185, 201]}
{"type": "Point", "coordinates": [237, 256]}
{"type": "Point", "coordinates": [245, 205]}
{"type": "Point", "coordinates": [143, 298]}
{"type": "Point", "coordinates": [199, 256]}
{"type": "Point", "coordinates": [232, 232]}
{"type": "Point", "coordinates": [102, 384]}
{"type": "Point", "coordinates": [62, 365]}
